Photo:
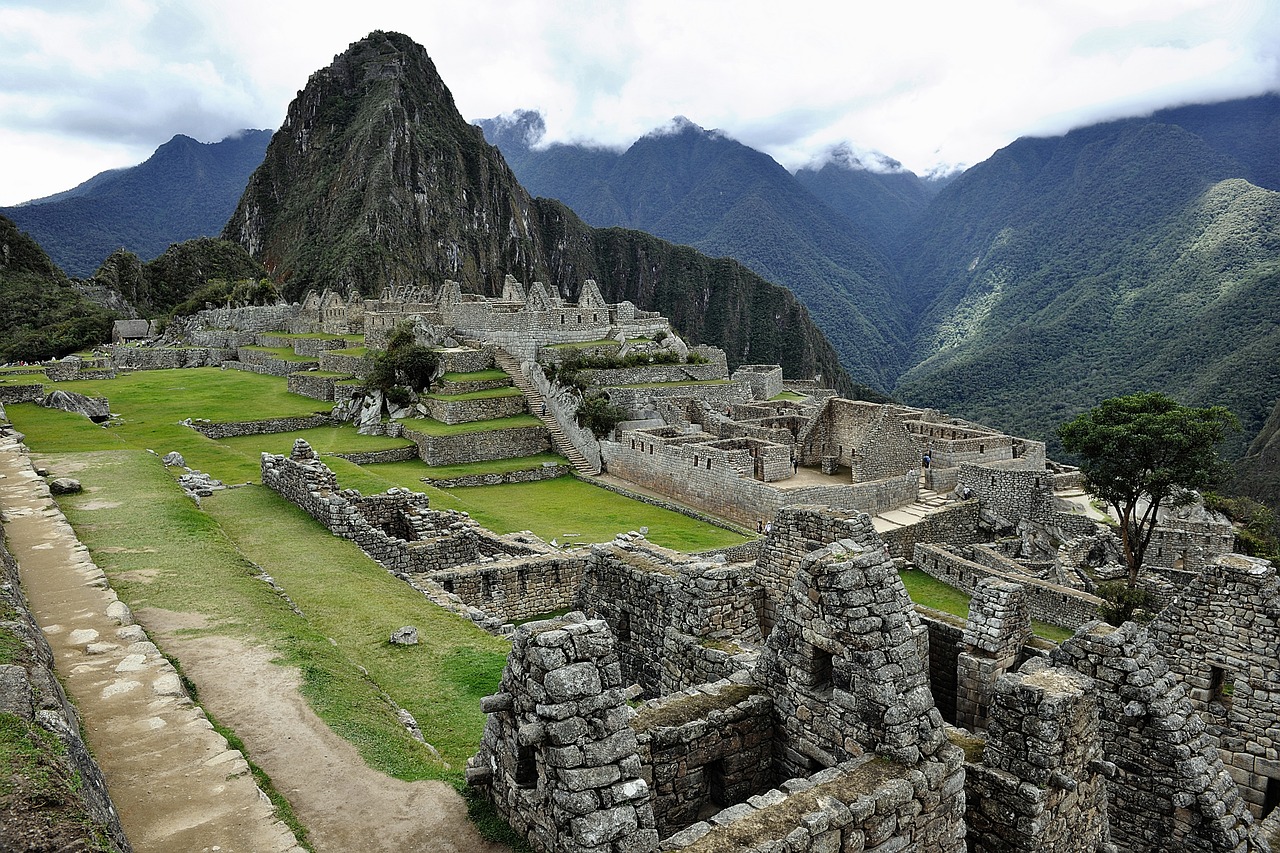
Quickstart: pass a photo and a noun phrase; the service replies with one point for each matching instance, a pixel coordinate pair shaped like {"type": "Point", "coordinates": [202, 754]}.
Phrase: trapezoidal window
{"type": "Point", "coordinates": [1221, 686]}
{"type": "Point", "coordinates": [624, 626]}
{"type": "Point", "coordinates": [526, 767]}
{"type": "Point", "coordinates": [822, 671]}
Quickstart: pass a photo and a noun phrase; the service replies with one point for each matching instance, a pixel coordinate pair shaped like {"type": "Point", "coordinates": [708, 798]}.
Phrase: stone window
{"type": "Point", "coordinates": [708, 463]}
{"type": "Point", "coordinates": [1221, 686]}
{"type": "Point", "coordinates": [1271, 797]}
{"type": "Point", "coordinates": [713, 775]}
{"type": "Point", "coordinates": [651, 450]}
{"type": "Point", "coordinates": [624, 626]}
{"type": "Point", "coordinates": [526, 767]}
{"type": "Point", "coordinates": [522, 579]}
{"type": "Point", "coordinates": [695, 460]}
{"type": "Point", "coordinates": [822, 671]}
{"type": "Point", "coordinates": [982, 448]}
{"type": "Point", "coordinates": [448, 584]}
{"type": "Point", "coordinates": [486, 585]}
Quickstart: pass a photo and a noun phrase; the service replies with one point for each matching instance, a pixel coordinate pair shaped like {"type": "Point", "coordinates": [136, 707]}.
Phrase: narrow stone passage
{"type": "Point", "coordinates": [173, 779]}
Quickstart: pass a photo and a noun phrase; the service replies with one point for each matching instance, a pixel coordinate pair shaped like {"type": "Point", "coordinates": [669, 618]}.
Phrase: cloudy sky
{"type": "Point", "coordinates": [88, 85]}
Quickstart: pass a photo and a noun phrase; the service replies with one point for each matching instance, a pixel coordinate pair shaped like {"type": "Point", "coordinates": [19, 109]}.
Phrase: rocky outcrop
{"type": "Point", "coordinates": [96, 409]}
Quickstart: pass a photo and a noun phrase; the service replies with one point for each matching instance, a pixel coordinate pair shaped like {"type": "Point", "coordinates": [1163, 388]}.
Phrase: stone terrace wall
{"type": "Point", "coordinates": [1168, 790]}
{"type": "Point", "coordinates": [266, 427]}
{"type": "Point", "coordinates": [272, 364]}
{"type": "Point", "coordinates": [706, 747]}
{"type": "Point", "coordinates": [607, 377]}
{"type": "Point", "coordinates": [1012, 495]}
{"type": "Point", "coordinates": [308, 384]}
{"type": "Point", "coordinates": [126, 357]}
{"type": "Point", "coordinates": [468, 411]}
{"type": "Point", "coordinates": [545, 471]}
{"type": "Point", "coordinates": [635, 400]}
{"type": "Point", "coordinates": [333, 362]}
{"type": "Point", "coordinates": [30, 691]}
{"type": "Point", "coordinates": [518, 589]}
{"type": "Point", "coordinates": [258, 318]}
{"type": "Point", "coordinates": [956, 524]}
{"type": "Point", "coordinates": [21, 393]}
{"type": "Point", "coordinates": [866, 805]}
{"type": "Point", "coordinates": [1221, 637]}
{"type": "Point", "coordinates": [480, 446]}
{"type": "Point", "coordinates": [1057, 605]}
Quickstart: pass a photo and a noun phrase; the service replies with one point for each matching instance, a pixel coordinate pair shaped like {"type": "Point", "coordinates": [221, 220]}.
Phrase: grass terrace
{"type": "Point", "coordinates": [324, 440]}
{"type": "Point", "coordinates": [283, 353]}
{"type": "Point", "coordinates": [930, 592]}
{"type": "Point", "coordinates": [475, 376]}
{"type": "Point", "coordinates": [355, 352]}
{"type": "Point", "coordinates": [431, 426]}
{"type": "Point", "coordinates": [788, 395]}
{"type": "Point", "coordinates": [488, 394]}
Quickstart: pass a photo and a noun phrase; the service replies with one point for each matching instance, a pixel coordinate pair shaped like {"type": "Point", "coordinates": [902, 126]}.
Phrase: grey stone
{"type": "Point", "coordinates": [406, 636]}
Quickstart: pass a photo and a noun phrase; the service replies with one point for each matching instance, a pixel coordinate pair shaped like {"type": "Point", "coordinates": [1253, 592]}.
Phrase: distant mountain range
{"type": "Point", "coordinates": [186, 189]}
{"type": "Point", "coordinates": [1141, 253]}
{"type": "Point", "coordinates": [1127, 255]}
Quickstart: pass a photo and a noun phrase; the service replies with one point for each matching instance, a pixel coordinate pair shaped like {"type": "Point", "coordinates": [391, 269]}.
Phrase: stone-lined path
{"type": "Point", "coordinates": [175, 783]}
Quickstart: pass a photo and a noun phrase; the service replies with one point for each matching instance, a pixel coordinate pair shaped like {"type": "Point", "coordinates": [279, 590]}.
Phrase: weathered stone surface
{"type": "Point", "coordinates": [65, 486]}
{"type": "Point", "coordinates": [96, 409]}
{"type": "Point", "coordinates": [406, 636]}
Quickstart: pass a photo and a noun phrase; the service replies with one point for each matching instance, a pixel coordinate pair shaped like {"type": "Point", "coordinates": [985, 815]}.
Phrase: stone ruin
{"type": "Point", "coordinates": [819, 730]}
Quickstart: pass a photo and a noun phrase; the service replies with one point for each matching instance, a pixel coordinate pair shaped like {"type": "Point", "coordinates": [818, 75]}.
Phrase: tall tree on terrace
{"type": "Point", "coordinates": [1144, 451]}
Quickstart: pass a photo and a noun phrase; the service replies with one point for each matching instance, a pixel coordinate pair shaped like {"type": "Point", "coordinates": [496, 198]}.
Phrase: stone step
{"type": "Point", "coordinates": [535, 402]}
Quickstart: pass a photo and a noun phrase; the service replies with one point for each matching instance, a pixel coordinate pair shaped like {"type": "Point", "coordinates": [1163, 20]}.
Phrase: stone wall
{"type": "Point", "coordinates": [765, 379]}
{"type": "Point", "coordinates": [1011, 495]}
{"type": "Point", "coordinates": [945, 633]}
{"type": "Point", "coordinates": [468, 411]}
{"type": "Point", "coordinates": [562, 405]}
{"type": "Point", "coordinates": [794, 534]}
{"type": "Point", "coordinates": [376, 457]}
{"type": "Point", "coordinates": [558, 759]}
{"type": "Point", "coordinates": [634, 594]}
{"type": "Point", "coordinates": [21, 393]}
{"type": "Point", "coordinates": [545, 471]}
{"type": "Point", "coordinates": [1048, 602]}
{"type": "Point", "coordinates": [264, 427]}
{"type": "Point", "coordinates": [271, 364]}
{"type": "Point", "coordinates": [397, 529]}
{"type": "Point", "coordinates": [703, 749]}
{"type": "Point", "coordinates": [1168, 790]}
{"type": "Point", "coordinates": [721, 480]}
{"type": "Point", "coordinates": [516, 590]}
{"type": "Point", "coordinates": [1039, 787]}
{"type": "Point", "coordinates": [956, 524]}
{"type": "Point", "coordinates": [845, 665]}
{"type": "Point", "coordinates": [332, 362]}
{"type": "Point", "coordinates": [479, 446]}
{"type": "Point", "coordinates": [31, 692]}
{"type": "Point", "coordinates": [310, 384]}
{"type": "Point", "coordinates": [1190, 546]}
{"type": "Point", "coordinates": [999, 624]}
{"type": "Point", "coordinates": [1220, 636]}
{"type": "Point", "coordinates": [126, 357]}
{"type": "Point", "coordinates": [609, 377]}
{"type": "Point", "coordinates": [635, 400]}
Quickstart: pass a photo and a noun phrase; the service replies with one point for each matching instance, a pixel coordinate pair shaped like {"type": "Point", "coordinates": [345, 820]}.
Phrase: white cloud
{"type": "Point", "coordinates": [923, 81]}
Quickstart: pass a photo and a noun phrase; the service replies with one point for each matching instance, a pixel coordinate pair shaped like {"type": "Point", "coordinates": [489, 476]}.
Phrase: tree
{"type": "Point", "coordinates": [1143, 451]}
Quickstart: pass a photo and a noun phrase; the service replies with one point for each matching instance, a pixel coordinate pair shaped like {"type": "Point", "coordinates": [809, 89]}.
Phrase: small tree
{"type": "Point", "coordinates": [1143, 451]}
{"type": "Point", "coordinates": [597, 414]}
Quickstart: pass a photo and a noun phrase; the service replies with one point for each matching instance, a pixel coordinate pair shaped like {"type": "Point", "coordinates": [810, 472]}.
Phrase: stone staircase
{"type": "Point", "coordinates": [563, 445]}
{"type": "Point", "coordinates": [927, 503]}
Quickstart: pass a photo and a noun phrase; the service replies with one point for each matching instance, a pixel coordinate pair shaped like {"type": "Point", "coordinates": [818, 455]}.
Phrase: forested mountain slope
{"type": "Point", "coordinates": [186, 189]}
{"type": "Point", "coordinates": [703, 189]}
{"type": "Point", "coordinates": [1124, 256]}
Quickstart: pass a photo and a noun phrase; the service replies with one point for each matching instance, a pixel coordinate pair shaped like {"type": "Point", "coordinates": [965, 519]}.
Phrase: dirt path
{"type": "Point", "coordinates": [174, 782]}
{"type": "Point", "coordinates": [172, 778]}
{"type": "Point", "coordinates": [345, 805]}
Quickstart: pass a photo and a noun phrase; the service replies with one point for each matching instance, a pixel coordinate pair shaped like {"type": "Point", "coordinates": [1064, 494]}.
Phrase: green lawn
{"type": "Point", "coordinates": [161, 551]}
{"type": "Point", "coordinates": [324, 440]}
{"type": "Point", "coordinates": [283, 353]}
{"type": "Point", "coordinates": [152, 402]}
{"type": "Point", "coordinates": [487, 394]}
{"type": "Point", "coordinates": [431, 426]}
{"type": "Point", "coordinates": [476, 376]}
{"type": "Point", "coordinates": [928, 591]}
{"type": "Point", "coordinates": [568, 508]}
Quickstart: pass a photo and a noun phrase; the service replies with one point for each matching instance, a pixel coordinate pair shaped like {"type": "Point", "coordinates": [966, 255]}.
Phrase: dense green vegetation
{"type": "Point", "coordinates": [41, 314]}
{"type": "Point", "coordinates": [186, 276]}
{"type": "Point", "coordinates": [184, 190]}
